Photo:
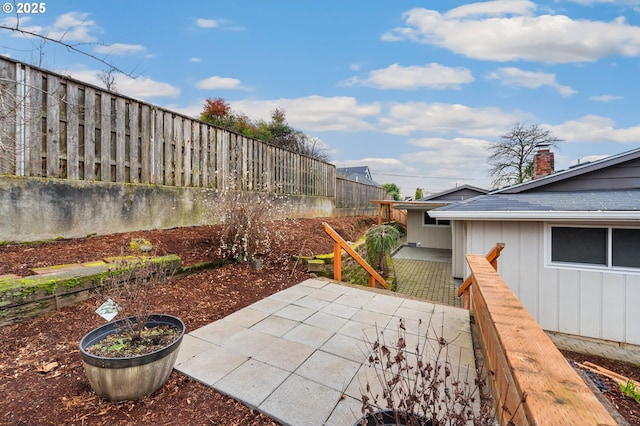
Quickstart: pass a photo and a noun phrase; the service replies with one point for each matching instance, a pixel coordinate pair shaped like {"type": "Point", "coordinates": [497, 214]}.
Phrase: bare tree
{"type": "Point", "coordinates": [511, 158]}
{"type": "Point", "coordinates": [108, 78]}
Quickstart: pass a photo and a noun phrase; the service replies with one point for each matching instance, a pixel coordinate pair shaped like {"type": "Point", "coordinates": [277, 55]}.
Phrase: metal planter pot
{"type": "Point", "coordinates": [131, 378]}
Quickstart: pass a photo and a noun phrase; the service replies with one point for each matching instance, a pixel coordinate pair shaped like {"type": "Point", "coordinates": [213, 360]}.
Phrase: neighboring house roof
{"type": "Point", "coordinates": [456, 194]}
{"type": "Point", "coordinates": [358, 174]}
{"type": "Point", "coordinates": [604, 189]}
{"type": "Point", "coordinates": [443, 198]}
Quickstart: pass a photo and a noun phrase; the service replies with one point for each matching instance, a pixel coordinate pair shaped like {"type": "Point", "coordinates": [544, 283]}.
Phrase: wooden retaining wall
{"type": "Point", "coordinates": [529, 376]}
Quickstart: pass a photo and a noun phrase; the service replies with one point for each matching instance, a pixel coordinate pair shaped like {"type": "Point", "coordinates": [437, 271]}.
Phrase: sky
{"type": "Point", "coordinates": [414, 90]}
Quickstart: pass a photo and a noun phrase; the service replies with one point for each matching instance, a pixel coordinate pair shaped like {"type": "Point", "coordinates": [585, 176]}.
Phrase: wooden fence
{"type": "Point", "coordinates": [351, 194]}
{"type": "Point", "coordinates": [53, 126]}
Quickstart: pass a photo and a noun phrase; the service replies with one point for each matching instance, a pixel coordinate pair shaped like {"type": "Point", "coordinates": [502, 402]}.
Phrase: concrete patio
{"type": "Point", "coordinates": [299, 356]}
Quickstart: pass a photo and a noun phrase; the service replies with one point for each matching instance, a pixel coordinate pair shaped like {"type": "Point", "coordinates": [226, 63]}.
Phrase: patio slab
{"type": "Point", "coordinates": [299, 356]}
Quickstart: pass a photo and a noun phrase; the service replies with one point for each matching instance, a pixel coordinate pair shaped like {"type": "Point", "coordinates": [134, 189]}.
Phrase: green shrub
{"type": "Point", "coordinates": [381, 239]}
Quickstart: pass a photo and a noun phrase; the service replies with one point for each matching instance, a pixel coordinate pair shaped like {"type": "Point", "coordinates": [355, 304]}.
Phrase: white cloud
{"type": "Point", "coordinates": [195, 60]}
{"type": "Point", "coordinates": [192, 110]}
{"type": "Point", "coordinates": [593, 128]}
{"type": "Point", "coordinates": [216, 82]}
{"type": "Point", "coordinates": [493, 8]}
{"type": "Point", "coordinates": [434, 76]}
{"type": "Point", "coordinates": [120, 49]}
{"type": "Point", "coordinates": [406, 118]}
{"type": "Point", "coordinates": [13, 22]}
{"type": "Point", "coordinates": [388, 170]}
{"type": "Point", "coordinates": [507, 31]}
{"type": "Point", "coordinates": [511, 76]}
{"type": "Point", "coordinates": [592, 2]}
{"type": "Point", "coordinates": [446, 163]}
{"type": "Point", "coordinates": [315, 113]}
{"type": "Point", "coordinates": [441, 164]}
{"type": "Point", "coordinates": [141, 88]}
{"type": "Point", "coordinates": [70, 27]}
{"type": "Point", "coordinates": [605, 98]}
{"type": "Point", "coordinates": [73, 27]}
{"type": "Point", "coordinates": [220, 24]}
{"type": "Point", "coordinates": [144, 87]}
{"type": "Point", "coordinates": [206, 23]}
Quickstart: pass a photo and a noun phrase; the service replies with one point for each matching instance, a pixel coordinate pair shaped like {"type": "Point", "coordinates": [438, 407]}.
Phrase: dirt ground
{"type": "Point", "coordinates": [43, 382]}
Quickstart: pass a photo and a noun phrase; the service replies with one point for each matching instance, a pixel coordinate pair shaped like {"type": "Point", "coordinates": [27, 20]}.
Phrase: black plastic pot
{"type": "Point", "coordinates": [389, 418]}
{"type": "Point", "coordinates": [130, 378]}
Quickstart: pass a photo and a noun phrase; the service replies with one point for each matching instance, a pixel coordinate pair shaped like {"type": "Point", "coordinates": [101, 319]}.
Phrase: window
{"type": "Point", "coordinates": [604, 247]}
{"type": "Point", "coordinates": [579, 245]}
{"type": "Point", "coordinates": [428, 220]}
{"type": "Point", "coordinates": [625, 244]}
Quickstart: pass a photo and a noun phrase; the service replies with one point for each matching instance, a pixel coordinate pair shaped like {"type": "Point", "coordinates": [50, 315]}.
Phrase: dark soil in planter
{"type": "Point", "coordinates": [125, 345]}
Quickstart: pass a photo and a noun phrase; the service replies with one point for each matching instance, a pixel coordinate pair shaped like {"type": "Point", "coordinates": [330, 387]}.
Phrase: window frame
{"type": "Point", "coordinates": [609, 267]}
{"type": "Point", "coordinates": [438, 223]}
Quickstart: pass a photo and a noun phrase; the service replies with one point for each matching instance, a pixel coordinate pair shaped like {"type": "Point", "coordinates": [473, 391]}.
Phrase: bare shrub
{"type": "Point", "coordinates": [419, 384]}
{"type": "Point", "coordinates": [243, 217]}
{"type": "Point", "coordinates": [247, 218]}
{"type": "Point", "coordinates": [130, 284]}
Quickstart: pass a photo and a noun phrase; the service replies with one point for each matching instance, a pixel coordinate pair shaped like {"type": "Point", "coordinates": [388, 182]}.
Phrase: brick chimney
{"type": "Point", "coordinates": [543, 164]}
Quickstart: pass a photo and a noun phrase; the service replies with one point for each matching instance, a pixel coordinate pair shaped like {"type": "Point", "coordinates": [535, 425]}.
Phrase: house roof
{"type": "Point", "coordinates": [455, 194]}
{"type": "Point", "coordinates": [443, 198]}
{"type": "Point", "coordinates": [610, 198]}
{"type": "Point", "coordinates": [613, 204]}
{"type": "Point", "coordinates": [360, 174]}
{"type": "Point", "coordinates": [571, 172]}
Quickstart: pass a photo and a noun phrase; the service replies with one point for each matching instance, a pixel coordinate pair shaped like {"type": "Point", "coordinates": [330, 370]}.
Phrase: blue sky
{"type": "Point", "coordinates": [414, 90]}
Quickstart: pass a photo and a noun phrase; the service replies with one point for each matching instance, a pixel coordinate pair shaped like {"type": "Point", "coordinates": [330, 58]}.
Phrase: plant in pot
{"type": "Point", "coordinates": [132, 357]}
{"type": "Point", "coordinates": [419, 386]}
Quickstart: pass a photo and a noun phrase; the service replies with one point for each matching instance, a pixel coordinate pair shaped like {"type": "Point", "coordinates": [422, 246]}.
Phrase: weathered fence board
{"type": "Point", "coordinates": [9, 107]}
{"type": "Point", "coordinates": [350, 194]}
{"type": "Point", "coordinates": [55, 126]}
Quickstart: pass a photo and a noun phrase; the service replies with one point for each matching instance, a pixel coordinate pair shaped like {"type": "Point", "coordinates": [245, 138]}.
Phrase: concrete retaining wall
{"type": "Point", "coordinates": [34, 209]}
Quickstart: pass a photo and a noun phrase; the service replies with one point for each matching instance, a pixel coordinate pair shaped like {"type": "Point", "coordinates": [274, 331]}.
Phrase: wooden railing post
{"type": "Point", "coordinates": [339, 244]}
{"type": "Point", "coordinates": [337, 262]}
{"type": "Point", "coordinates": [465, 288]}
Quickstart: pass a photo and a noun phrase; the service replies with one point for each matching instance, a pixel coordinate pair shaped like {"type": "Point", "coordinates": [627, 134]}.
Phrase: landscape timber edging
{"type": "Point", "coordinates": [61, 285]}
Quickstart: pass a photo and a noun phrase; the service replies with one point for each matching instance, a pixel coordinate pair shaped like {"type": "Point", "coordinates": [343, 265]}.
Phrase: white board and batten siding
{"type": "Point", "coordinates": [589, 303]}
{"type": "Point", "coordinates": [428, 236]}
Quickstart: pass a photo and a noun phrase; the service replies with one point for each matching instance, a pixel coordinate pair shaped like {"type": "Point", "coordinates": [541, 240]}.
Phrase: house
{"type": "Point", "coordinates": [572, 253]}
{"type": "Point", "coordinates": [357, 174]}
{"type": "Point", "coordinates": [426, 231]}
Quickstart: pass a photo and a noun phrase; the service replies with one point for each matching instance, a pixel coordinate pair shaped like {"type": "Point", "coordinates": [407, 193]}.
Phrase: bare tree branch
{"type": "Point", "coordinates": [69, 46]}
{"type": "Point", "coordinates": [511, 158]}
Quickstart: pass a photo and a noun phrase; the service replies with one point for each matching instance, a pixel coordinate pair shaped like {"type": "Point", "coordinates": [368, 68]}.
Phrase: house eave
{"type": "Point", "coordinates": [420, 206]}
{"type": "Point", "coordinates": [538, 215]}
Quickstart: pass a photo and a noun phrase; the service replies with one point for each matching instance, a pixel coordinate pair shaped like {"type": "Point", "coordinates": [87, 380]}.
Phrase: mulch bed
{"type": "Point", "coordinates": [43, 382]}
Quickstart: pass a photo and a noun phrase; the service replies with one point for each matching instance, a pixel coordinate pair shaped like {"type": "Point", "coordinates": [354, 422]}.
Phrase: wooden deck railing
{"type": "Point", "coordinates": [339, 244]}
{"type": "Point", "coordinates": [465, 288]}
{"type": "Point", "coordinates": [386, 211]}
{"type": "Point", "coordinates": [531, 381]}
